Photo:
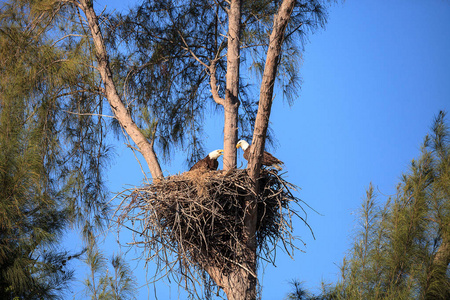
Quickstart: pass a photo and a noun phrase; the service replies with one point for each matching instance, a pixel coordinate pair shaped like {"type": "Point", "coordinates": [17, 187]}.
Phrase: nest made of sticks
{"type": "Point", "coordinates": [196, 218]}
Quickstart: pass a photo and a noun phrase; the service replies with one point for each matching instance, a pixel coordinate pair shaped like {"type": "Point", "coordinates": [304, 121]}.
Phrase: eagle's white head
{"type": "Point", "coordinates": [215, 154]}
{"type": "Point", "coordinates": [243, 144]}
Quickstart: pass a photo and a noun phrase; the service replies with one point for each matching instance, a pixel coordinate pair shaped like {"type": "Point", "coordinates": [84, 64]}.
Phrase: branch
{"type": "Point", "coordinates": [293, 31]}
{"type": "Point", "coordinates": [281, 20]}
{"type": "Point", "coordinates": [212, 71]}
{"type": "Point", "coordinates": [117, 106]}
{"type": "Point", "coordinates": [213, 83]}
{"type": "Point", "coordinates": [66, 36]}
{"type": "Point", "coordinates": [100, 92]}
{"type": "Point", "coordinates": [191, 52]}
{"type": "Point", "coordinates": [88, 114]}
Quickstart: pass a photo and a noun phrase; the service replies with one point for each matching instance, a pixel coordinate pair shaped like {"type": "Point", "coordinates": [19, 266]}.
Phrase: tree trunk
{"type": "Point", "coordinates": [266, 92]}
{"type": "Point", "coordinates": [120, 111]}
{"type": "Point", "coordinates": [240, 283]}
{"type": "Point", "coordinates": [231, 103]}
{"type": "Point", "coordinates": [259, 134]}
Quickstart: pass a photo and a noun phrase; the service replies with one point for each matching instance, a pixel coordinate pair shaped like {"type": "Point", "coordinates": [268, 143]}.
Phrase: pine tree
{"type": "Point", "coordinates": [177, 60]}
{"type": "Point", "coordinates": [32, 213]}
{"type": "Point", "coordinates": [402, 249]}
{"type": "Point", "coordinates": [50, 160]}
{"type": "Point", "coordinates": [104, 283]}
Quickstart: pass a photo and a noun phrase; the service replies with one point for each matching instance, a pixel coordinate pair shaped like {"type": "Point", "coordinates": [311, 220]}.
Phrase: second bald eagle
{"type": "Point", "coordinates": [267, 159]}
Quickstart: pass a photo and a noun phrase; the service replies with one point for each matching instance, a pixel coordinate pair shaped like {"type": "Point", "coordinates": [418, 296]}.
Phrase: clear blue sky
{"type": "Point", "coordinates": [373, 81]}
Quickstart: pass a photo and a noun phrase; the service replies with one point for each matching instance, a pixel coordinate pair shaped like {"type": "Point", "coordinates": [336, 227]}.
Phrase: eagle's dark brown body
{"type": "Point", "coordinates": [267, 160]}
{"type": "Point", "coordinates": [209, 163]}
{"type": "Point", "coordinates": [206, 163]}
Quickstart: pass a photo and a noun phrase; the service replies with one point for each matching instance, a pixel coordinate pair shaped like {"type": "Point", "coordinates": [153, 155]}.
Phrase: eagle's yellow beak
{"type": "Point", "coordinates": [221, 152]}
{"type": "Point", "coordinates": [238, 145]}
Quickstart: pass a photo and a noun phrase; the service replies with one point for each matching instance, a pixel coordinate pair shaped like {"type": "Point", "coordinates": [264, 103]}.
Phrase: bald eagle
{"type": "Point", "coordinates": [208, 163]}
{"type": "Point", "coordinates": [267, 159]}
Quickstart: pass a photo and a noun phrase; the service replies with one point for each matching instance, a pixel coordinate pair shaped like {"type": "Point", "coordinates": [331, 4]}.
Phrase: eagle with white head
{"type": "Point", "coordinates": [209, 163]}
{"type": "Point", "coordinates": [267, 159]}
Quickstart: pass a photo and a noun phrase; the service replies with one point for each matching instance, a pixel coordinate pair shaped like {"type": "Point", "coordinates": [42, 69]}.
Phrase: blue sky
{"type": "Point", "coordinates": [373, 81]}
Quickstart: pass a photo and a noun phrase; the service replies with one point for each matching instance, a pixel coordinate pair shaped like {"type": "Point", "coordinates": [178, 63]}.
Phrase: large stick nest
{"type": "Point", "coordinates": [196, 219]}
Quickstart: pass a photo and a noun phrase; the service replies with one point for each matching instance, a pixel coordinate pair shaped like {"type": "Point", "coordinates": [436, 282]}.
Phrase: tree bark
{"type": "Point", "coordinates": [239, 284]}
{"type": "Point", "coordinates": [117, 106]}
{"type": "Point", "coordinates": [281, 20]}
{"type": "Point", "coordinates": [266, 92]}
{"type": "Point", "coordinates": [231, 103]}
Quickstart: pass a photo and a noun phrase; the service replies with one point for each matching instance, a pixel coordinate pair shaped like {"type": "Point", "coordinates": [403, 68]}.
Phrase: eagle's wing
{"type": "Point", "coordinates": [199, 165]}
{"type": "Point", "coordinates": [272, 161]}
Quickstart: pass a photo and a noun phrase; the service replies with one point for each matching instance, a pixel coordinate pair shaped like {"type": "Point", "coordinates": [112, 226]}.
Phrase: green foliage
{"type": "Point", "coordinates": [122, 284]}
{"type": "Point", "coordinates": [167, 43]}
{"type": "Point", "coordinates": [32, 210]}
{"type": "Point", "coordinates": [50, 82]}
{"type": "Point", "coordinates": [95, 288]}
{"type": "Point", "coordinates": [119, 284]}
{"type": "Point", "coordinates": [401, 250]}
{"type": "Point", "coordinates": [51, 158]}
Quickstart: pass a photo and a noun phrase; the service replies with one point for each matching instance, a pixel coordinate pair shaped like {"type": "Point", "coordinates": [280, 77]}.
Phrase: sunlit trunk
{"type": "Point", "coordinates": [120, 111]}
{"type": "Point", "coordinates": [231, 103]}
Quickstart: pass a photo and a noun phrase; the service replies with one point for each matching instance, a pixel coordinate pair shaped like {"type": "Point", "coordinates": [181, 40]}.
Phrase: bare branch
{"type": "Point", "coordinates": [293, 31]}
{"type": "Point", "coordinates": [117, 106]}
{"type": "Point", "coordinates": [213, 83]}
{"type": "Point", "coordinates": [88, 114]}
{"type": "Point", "coordinates": [191, 52]}
{"type": "Point", "coordinates": [66, 36]}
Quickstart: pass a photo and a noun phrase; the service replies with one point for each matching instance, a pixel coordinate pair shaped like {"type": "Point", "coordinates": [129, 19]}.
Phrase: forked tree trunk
{"type": "Point", "coordinates": [240, 284]}
{"type": "Point", "coordinates": [120, 111]}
